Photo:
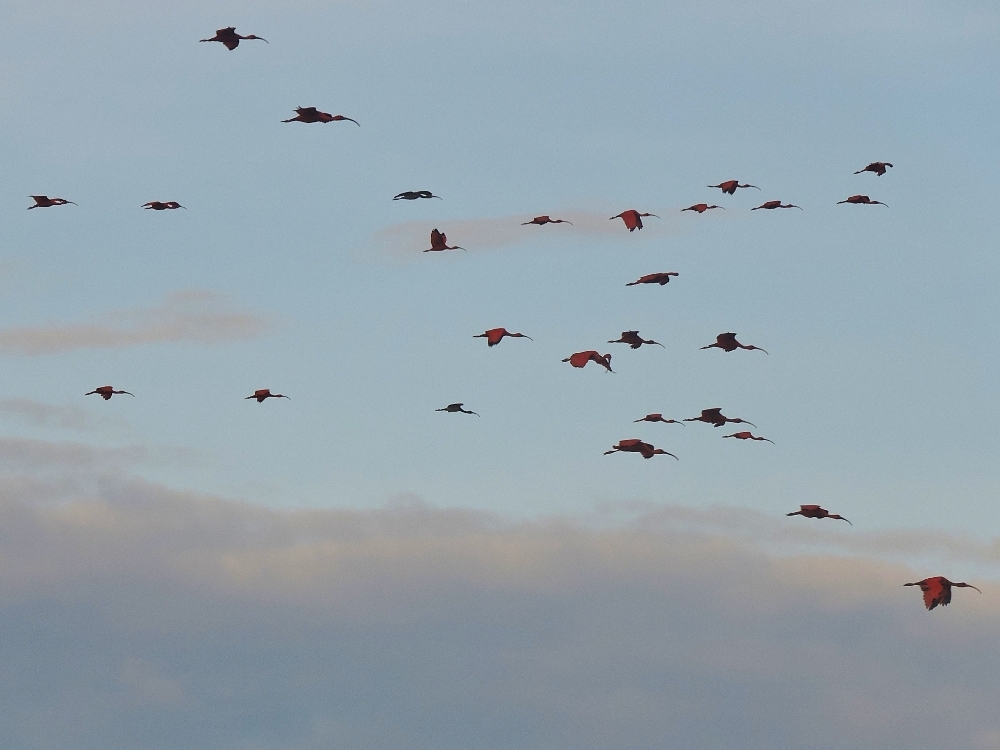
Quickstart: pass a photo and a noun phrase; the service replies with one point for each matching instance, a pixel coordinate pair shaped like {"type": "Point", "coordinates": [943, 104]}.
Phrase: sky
{"type": "Point", "coordinates": [350, 568]}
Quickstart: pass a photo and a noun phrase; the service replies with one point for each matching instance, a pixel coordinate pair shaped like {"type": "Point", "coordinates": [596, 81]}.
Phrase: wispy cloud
{"type": "Point", "coordinates": [195, 316]}
{"type": "Point", "coordinates": [40, 414]}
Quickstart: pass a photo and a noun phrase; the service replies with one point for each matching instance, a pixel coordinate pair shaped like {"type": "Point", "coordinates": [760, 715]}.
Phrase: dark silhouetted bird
{"type": "Point", "coordinates": [775, 204]}
{"type": "Point", "coordinates": [106, 392]}
{"type": "Point", "coordinates": [937, 590]}
{"type": "Point", "coordinates": [814, 511]}
{"type": "Point", "coordinates": [747, 436]}
{"type": "Point", "coordinates": [311, 114]}
{"type": "Point", "coordinates": [634, 445]}
{"type": "Point", "coordinates": [439, 241]}
{"type": "Point", "coordinates": [658, 418]}
{"type": "Point", "coordinates": [863, 200]}
{"type": "Point", "coordinates": [542, 220]}
{"type": "Point", "coordinates": [654, 278]}
{"type": "Point", "coordinates": [701, 208]}
{"type": "Point", "coordinates": [230, 38]}
{"type": "Point", "coordinates": [412, 195]}
{"type": "Point", "coordinates": [633, 339]}
{"type": "Point", "coordinates": [453, 408]}
{"type": "Point", "coordinates": [730, 186]}
{"type": "Point", "coordinates": [727, 342]}
{"type": "Point", "coordinates": [632, 219]}
{"type": "Point", "coordinates": [580, 359]}
{"type": "Point", "coordinates": [43, 201]}
{"type": "Point", "coordinates": [160, 206]}
{"type": "Point", "coordinates": [495, 335]}
{"type": "Point", "coordinates": [715, 417]}
{"type": "Point", "coordinates": [878, 167]}
{"type": "Point", "coordinates": [262, 394]}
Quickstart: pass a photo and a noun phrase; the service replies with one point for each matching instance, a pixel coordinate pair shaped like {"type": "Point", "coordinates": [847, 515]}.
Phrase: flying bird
{"type": "Point", "coordinates": [453, 408]}
{"type": "Point", "coordinates": [230, 38]}
{"type": "Point", "coordinates": [160, 206]}
{"type": "Point", "coordinates": [863, 199]}
{"type": "Point", "coordinates": [729, 186]}
{"type": "Point", "coordinates": [582, 358]}
{"type": "Point", "coordinates": [716, 418]}
{"type": "Point", "coordinates": [658, 418]}
{"type": "Point", "coordinates": [412, 195]}
{"type": "Point", "coordinates": [654, 278]}
{"type": "Point", "coordinates": [878, 167]}
{"type": "Point", "coordinates": [775, 204]}
{"type": "Point", "coordinates": [262, 394]}
{"type": "Point", "coordinates": [43, 201]}
{"type": "Point", "coordinates": [937, 590]}
{"type": "Point", "coordinates": [633, 339]}
{"type": "Point", "coordinates": [495, 335]}
{"type": "Point", "coordinates": [106, 392]}
{"type": "Point", "coordinates": [747, 436]}
{"type": "Point", "coordinates": [728, 342]}
{"type": "Point", "coordinates": [542, 220]}
{"type": "Point", "coordinates": [632, 219]}
{"type": "Point", "coordinates": [701, 208]}
{"type": "Point", "coordinates": [311, 114]}
{"type": "Point", "coordinates": [439, 241]}
{"type": "Point", "coordinates": [814, 511]}
{"type": "Point", "coordinates": [634, 445]}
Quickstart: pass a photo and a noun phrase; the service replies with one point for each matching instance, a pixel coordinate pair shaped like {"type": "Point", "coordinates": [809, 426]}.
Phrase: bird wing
{"type": "Point", "coordinates": [438, 240]}
{"type": "Point", "coordinates": [936, 591]}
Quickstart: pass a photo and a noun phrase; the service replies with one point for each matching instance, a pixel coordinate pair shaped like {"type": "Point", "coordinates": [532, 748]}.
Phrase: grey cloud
{"type": "Point", "coordinates": [40, 414]}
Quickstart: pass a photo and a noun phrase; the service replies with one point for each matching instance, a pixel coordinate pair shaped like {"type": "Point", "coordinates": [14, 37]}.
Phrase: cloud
{"type": "Point", "coordinates": [196, 316]}
{"type": "Point", "coordinates": [40, 414]}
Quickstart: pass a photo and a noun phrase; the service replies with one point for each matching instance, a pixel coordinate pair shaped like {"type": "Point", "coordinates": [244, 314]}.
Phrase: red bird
{"type": "Point", "coordinates": [863, 199]}
{"type": "Point", "coordinates": [632, 219]}
{"type": "Point", "coordinates": [814, 511]}
{"type": "Point", "coordinates": [775, 204]}
{"type": "Point", "coordinates": [43, 201]}
{"type": "Point", "coordinates": [454, 408]}
{"type": "Point", "coordinates": [937, 590]}
{"type": "Point", "coordinates": [439, 241]}
{"type": "Point", "coordinates": [495, 335]}
{"type": "Point", "coordinates": [729, 186]}
{"type": "Point", "coordinates": [701, 208]}
{"type": "Point", "coordinates": [634, 445]}
{"type": "Point", "coordinates": [158, 206]}
{"type": "Point", "coordinates": [230, 38]}
{"type": "Point", "coordinates": [728, 342]}
{"type": "Point", "coordinates": [747, 436]}
{"type": "Point", "coordinates": [582, 358]}
{"type": "Point", "coordinates": [106, 392]}
{"type": "Point", "coordinates": [633, 339]}
{"type": "Point", "coordinates": [716, 418]}
{"type": "Point", "coordinates": [878, 167]}
{"type": "Point", "coordinates": [311, 114]}
{"type": "Point", "coordinates": [658, 418]}
{"type": "Point", "coordinates": [542, 220]}
{"type": "Point", "coordinates": [655, 278]}
{"type": "Point", "coordinates": [263, 394]}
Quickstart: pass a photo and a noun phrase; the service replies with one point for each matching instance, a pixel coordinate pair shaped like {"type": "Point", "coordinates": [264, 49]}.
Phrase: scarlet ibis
{"type": "Point", "coordinates": [632, 219]}
{"type": "Point", "coordinates": [311, 114]}
{"type": "Point", "coordinates": [106, 392]}
{"type": "Point", "coordinates": [658, 418]}
{"type": "Point", "coordinates": [43, 201]}
{"type": "Point", "coordinates": [878, 167]}
{"type": "Point", "coordinates": [701, 208]}
{"type": "Point", "coordinates": [262, 394]}
{"type": "Point", "coordinates": [453, 408]}
{"type": "Point", "coordinates": [863, 199]}
{"type": "Point", "coordinates": [159, 206]}
{"type": "Point", "coordinates": [747, 436]}
{"type": "Point", "coordinates": [633, 339]}
{"type": "Point", "coordinates": [776, 204]}
{"type": "Point", "coordinates": [495, 335]}
{"type": "Point", "coordinates": [582, 358]}
{"type": "Point", "coordinates": [543, 220]}
{"type": "Point", "coordinates": [412, 195]}
{"type": "Point", "coordinates": [634, 445]}
{"type": "Point", "coordinates": [230, 38]}
{"type": "Point", "coordinates": [937, 590]}
{"type": "Point", "coordinates": [814, 511]}
{"type": "Point", "coordinates": [729, 186]}
{"type": "Point", "coordinates": [727, 342]}
{"type": "Point", "coordinates": [439, 241]}
{"type": "Point", "coordinates": [716, 418]}
{"type": "Point", "coordinates": [654, 278]}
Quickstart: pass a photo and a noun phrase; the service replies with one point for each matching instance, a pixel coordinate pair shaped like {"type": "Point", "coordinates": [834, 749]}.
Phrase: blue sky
{"type": "Point", "coordinates": [293, 269]}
